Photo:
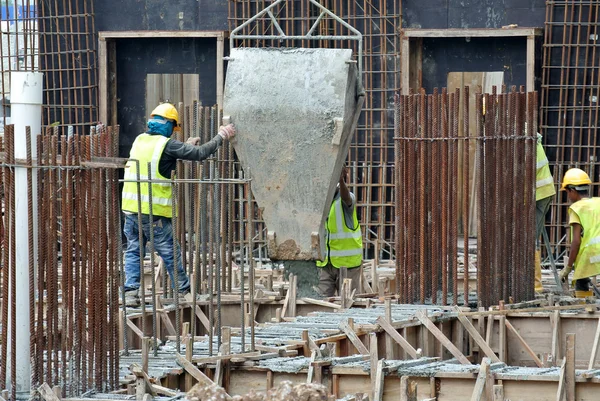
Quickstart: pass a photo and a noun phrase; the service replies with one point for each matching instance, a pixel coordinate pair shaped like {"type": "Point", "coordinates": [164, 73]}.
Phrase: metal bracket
{"type": "Point", "coordinates": [357, 36]}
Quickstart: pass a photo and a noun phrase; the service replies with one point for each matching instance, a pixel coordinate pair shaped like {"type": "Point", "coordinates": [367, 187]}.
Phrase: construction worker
{"type": "Point", "coordinates": [344, 243]}
{"type": "Point", "coordinates": [544, 192]}
{"type": "Point", "coordinates": [584, 219]}
{"type": "Point", "coordinates": [157, 147]}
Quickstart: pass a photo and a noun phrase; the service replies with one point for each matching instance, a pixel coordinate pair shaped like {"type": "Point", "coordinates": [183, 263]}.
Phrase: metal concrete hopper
{"type": "Point", "coordinates": [295, 110]}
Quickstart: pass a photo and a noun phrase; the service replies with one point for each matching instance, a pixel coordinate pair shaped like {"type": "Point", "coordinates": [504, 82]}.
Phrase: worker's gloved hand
{"type": "Point", "coordinates": [564, 273]}
{"type": "Point", "coordinates": [227, 131]}
{"type": "Point", "coordinates": [193, 141]}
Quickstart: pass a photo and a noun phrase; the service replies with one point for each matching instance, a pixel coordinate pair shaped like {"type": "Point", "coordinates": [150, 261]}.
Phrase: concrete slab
{"type": "Point", "coordinates": [295, 111]}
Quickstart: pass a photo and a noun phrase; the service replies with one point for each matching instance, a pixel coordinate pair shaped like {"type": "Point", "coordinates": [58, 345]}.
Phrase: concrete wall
{"type": "Point", "coordinates": [136, 58]}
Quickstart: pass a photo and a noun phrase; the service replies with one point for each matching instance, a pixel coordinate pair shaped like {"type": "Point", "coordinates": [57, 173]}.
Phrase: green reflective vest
{"type": "Point", "coordinates": [147, 148]}
{"type": "Point", "coordinates": [544, 183]}
{"type": "Point", "coordinates": [587, 263]}
{"type": "Point", "coordinates": [344, 246]}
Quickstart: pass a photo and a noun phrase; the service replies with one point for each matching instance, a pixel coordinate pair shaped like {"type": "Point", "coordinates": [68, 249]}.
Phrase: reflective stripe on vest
{"type": "Point", "coordinates": [587, 263]}
{"type": "Point", "coordinates": [544, 185]}
{"type": "Point", "coordinates": [344, 246]}
{"type": "Point", "coordinates": [147, 149]}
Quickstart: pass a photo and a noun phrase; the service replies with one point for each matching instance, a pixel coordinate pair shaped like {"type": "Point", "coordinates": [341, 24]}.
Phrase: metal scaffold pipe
{"type": "Point", "coordinates": [26, 104]}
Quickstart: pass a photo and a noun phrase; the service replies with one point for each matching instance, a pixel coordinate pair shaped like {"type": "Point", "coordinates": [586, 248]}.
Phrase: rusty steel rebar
{"type": "Point", "coordinates": [504, 171]}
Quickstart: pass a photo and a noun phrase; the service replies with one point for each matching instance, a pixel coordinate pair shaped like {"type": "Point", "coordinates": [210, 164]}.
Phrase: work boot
{"type": "Point", "coordinates": [132, 298]}
{"type": "Point", "coordinates": [538, 272]}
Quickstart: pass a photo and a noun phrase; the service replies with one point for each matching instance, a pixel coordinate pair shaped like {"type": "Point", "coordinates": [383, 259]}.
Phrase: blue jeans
{"type": "Point", "coordinates": [163, 244]}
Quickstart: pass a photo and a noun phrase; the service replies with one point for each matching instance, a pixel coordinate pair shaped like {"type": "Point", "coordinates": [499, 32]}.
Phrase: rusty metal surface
{"type": "Point", "coordinates": [429, 162]}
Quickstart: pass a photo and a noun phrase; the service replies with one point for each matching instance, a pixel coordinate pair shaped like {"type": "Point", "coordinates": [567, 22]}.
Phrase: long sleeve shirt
{"type": "Point", "coordinates": [175, 149]}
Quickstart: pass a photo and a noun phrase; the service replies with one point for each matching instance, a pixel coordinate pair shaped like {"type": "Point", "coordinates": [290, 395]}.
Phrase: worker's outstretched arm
{"type": "Point", "coordinates": [189, 150]}
{"type": "Point", "coordinates": [344, 191]}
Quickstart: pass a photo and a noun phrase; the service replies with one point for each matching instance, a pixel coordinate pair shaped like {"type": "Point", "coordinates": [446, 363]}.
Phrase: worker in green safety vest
{"type": "Point", "coordinates": [160, 150]}
{"type": "Point", "coordinates": [584, 219]}
{"type": "Point", "coordinates": [344, 243]}
{"type": "Point", "coordinates": [544, 193]}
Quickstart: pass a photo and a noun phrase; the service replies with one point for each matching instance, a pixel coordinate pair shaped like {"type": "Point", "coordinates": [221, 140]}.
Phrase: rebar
{"type": "Point", "coordinates": [151, 249]}
{"type": "Point", "coordinates": [176, 256]}
{"type": "Point", "coordinates": [504, 168]}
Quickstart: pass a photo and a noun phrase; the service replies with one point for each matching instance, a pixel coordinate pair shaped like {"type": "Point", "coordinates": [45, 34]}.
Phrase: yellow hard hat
{"type": "Point", "coordinates": [166, 110]}
{"type": "Point", "coordinates": [575, 176]}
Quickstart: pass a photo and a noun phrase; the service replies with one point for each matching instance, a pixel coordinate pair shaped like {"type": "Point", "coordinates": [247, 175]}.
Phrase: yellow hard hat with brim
{"type": "Point", "coordinates": [575, 177]}
{"type": "Point", "coordinates": [166, 110]}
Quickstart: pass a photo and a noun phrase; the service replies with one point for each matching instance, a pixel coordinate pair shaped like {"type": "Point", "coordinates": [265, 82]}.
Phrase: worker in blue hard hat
{"type": "Point", "coordinates": [344, 243]}
{"type": "Point", "coordinates": [584, 219]}
{"type": "Point", "coordinates": [157, 147]}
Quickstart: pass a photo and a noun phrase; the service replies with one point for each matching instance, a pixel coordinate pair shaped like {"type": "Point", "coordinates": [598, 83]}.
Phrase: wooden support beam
{"type": "Point", "coordinates": [167, 323]}
{"type": "Point", "coordinates": [528, 349]}
{"type": "Point", "coordinates": [203, 319]}
{"type": "Point", "coordinates": [408, 389]}
{"type": "Point", "coordinates": [502, 353]}
{"type": "Point", "coordinates": [321, 303]}
{"type": "Point", "coordinates": [378, 382]}
{"type": "Point", "coordinates": [145, 353]}
{"type": "Point", "coordinates": [193, 370]}
{"type": "Point", "coordinates": [143, 384]}
{"type": "Point", "coordinates": [555, 321]}
{"type": "Point", "coordinates": [293, 296]}
{"type": "Point", "coordinates": [498, 393]}
{"type": "Point", "coordinates": [351, 335]}
{"type": "Point", "coordinates": [481, 380]}
{"type": "Point", "coordinates": [442, 338]}
{"type": "Point", "coordinates": [483, 345]}
{"type": "Point", "coordinates": [560, 393]}
{"type": "Point", "coordinates": [570, 367]}
{"type": "Point", "coordinates": [311, 368]}
{"type": "Point", "coordinates": [135, 329]}
{"type": "Point", "coordinates": [595, 347]}
{"type": "Point", "coordinates": [391, 331]}
{"type": "Point", "coordinates": [374, 360]}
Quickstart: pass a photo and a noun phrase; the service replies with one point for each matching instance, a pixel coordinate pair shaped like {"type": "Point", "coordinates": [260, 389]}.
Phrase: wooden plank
{"type": "Point", "coordinates": [570, 368]}
{"type": "Point", "coordinates": [47, 393]}
{"type": "Point", "coordinates": [483, 345]}
{"type": "Point", "coordinates": [560, 393]}
{"type": "Point", "coordinates": [103, 35]}
{"type": "Point", "coordinates": [220, 71]}
{"type": "Point", "coordinates": [404, 67]}
{"type": "Point", "coordinates": [102, 80]}
{"type": "Point", "coordinates": [528, 349]}
{"type": "Point", "coordinates": [145, 353]}
{"type": "Point", "coordinates": [594, 347]}
{"type": "Point", "coordinates": [391, 331]}
{"type": "Point", "coordinates": [498, 392]}
{"type": "Point", "coordinates": [502, 354]}
{"type": "Point", "coordinates": [142, 381]}
{"type": "Point", "coordinates": [163, 390]}
{"type": "Point", "coordinates": [168, 324]}
{"type": "Point", "coordinates": [311, 368]}
{"type": "Point", "coordinates": [135, 329]}
{"type": "Point", "coordinates": [408, 389]}
{"type": "Point", "coordinates": [374, 360]}
{"type": "Point", "coordinates": [555, 321]}
{"type": "Point", "coordinates": [481, 380]}
{"type": "Point", "coordinates": [111, 75]}
{"type": "Point", "coordinates": [442, 338]}
{"type": "Point", "coordinates": [351, 335]}
{"type": "Point", "coordinates": [288, 294]}
{"type": "Point", "coordinates": [530, 63]}
{"type": "Point", "coordinates": [321, 303]}
{"type": "Point", "coordinates": [470, 32]}
{"type": "Point", "coordinates": [379, 378]}
{"type": "Point", "coordinates": [193, 370]}
{"type": "Point", "coordinates": [214, 359]}
{"type": "Point", "coordinates": [203, 319]}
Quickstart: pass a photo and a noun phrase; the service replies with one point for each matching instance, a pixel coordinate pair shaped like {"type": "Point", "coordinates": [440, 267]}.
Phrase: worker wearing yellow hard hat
{"type": "Point", "coordinates": [157, 148]}
{"type": "Point", "coordinates": [584, 219]}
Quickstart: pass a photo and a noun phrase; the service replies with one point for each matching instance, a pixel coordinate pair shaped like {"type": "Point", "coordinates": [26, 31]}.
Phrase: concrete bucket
{"type": "Point", "coordinates": [295, 110]}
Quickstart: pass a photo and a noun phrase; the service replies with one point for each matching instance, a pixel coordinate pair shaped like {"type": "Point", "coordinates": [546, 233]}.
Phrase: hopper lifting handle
{"type": "Point", "coordinates": [357, 36]}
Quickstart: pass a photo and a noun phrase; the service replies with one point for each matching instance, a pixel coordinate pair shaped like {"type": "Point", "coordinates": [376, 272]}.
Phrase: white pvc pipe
{"type": "Point", "coordinates": [26, 111]}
